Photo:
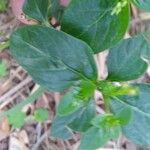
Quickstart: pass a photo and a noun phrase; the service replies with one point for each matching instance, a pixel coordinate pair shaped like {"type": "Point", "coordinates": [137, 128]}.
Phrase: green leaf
{"type": "Point", "coordinates": [16, 119]}
{"type": "Point", "coordinates": [60, 129]}
{"type": "Point", "coordinates": [93, 139]}
{"type": "Point", "coordinates": [126, 61]}
{"type": "Point", "coordinates": [124, 116]}
{"type": "Point", "coordinates": [142, 4]}
{"type": "Point", "coordinates": [76, 98]}
{"type": "Point", "coordinates": [105, 120]}
{"type": "Point", "coordinates": [114, 132]}
{"type": "Point", "coordinates": [138, 128]}
{"type": "Point", "coordinates": [37, 9]}
{"type": "Point", "coordinates": [83, 122]}
{"type": "Point", "coordinates": [109, 89]}
{"type": "Point", "coordinates": [41, 114]}
{"type": "Point", "coordinates": [53, 58]}
{"type": "Point", "coordinates": [69, 103]}
{"type": "Point", "coordinates": [61, 126]}
{"type": "Point", "coordinates": [93, 22]}
{"type": "Point", "coordinates": [109, 123]}
{"type": "Point", "coordinates": [3, 69]}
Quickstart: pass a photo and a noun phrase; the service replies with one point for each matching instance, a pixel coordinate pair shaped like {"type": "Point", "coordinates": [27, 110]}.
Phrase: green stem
{"type": "Point", "coordinates": [106, 103]}
{"type": "Point", "coordinates": [105, 88]}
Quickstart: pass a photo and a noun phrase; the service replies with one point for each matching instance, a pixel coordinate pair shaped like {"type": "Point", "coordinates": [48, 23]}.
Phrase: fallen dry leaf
{"type": "Point", "coordinates": [18, 141]}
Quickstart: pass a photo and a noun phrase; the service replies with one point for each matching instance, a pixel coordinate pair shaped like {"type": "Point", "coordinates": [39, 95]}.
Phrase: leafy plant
{"type": "Point", "coordinates": [64, 60]}
{"type": "Point", "coordinates": [41, 114]}
{"type": "Point", "coordinates": [15, 116]}
{"type": "Point", "coordinates": [16, 119]}
{"type": "Point", "coordinates": [3, 69]}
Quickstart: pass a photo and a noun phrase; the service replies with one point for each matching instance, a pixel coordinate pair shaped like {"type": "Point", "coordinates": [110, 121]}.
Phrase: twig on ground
{"type": "Point", "coordinates": [15, 89]}
{"type": "Point", "coordinates": [41, 139]}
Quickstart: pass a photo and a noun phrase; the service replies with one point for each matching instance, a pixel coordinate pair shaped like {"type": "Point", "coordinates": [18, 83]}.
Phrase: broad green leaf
{"type": "Point", "coordinates": [63, 132]}
{"type": "Point", "coordinates": [41, 114]}
{"type": "Point", "coordinates": [124, 116]}
{"type": "Point", "coordinates": [126, 61]}
{"type": "Point", "coordinates": [61, 126]}
{"type": "Point", "coordinates": [60, 129]}
{"type": "Point", "coordinates": [76, 98]}
{"type": "Point", "coordinates": [37, 9]}
{"type": "Point", "coordinates": [93, 22]}
{"type": "Point", "coordinates": [16, 119]}
{"type": "Point", "coordinates": [83, 122]}
{"type": "Point", "coordinates": [93, 139]}
{"type": "Point", "coordinates": [53, 58]}
{"type": "Point", "coordinates": [142, 4]}
{"type": "Point", "coordinates": [139, 126]}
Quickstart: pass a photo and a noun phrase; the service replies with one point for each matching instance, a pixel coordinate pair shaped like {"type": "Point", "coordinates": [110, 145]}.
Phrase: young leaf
{"type": "Point", "coordinates": [17, 119]}
{"type": "Point", "coordinates": [109, 89]}
{"type": "Point", "coordinates": [126, 59]}
{"type": "Point", "coordinates": [93, 139]}
{"type": "Point", "coordinates": [69, 103]}
{"type": "Point", "coordinates": [76, 98]}
{"type": "Point", "coordinates": [138, 128]}
{"type": "Point", "coordinates": [105, 120]}
{"type": "Point", "coordinates": [53, 58]}
{"type": "Point", "coordinates": [142, 4]}
{"type": "Point", "coordinates": [41, 114]}
{"type": "Point", "coordinates": [109, 123]}
{"type": "Point", "coordinates": [37, 9]}
{"type": "Point", "coordinates": [83, 122]}
{"type": "Point", "coordinates": [93, 22]}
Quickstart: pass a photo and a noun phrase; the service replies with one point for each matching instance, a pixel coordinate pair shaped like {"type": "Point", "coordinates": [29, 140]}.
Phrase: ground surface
{"type": "Point", "coordinates": [16, 85]}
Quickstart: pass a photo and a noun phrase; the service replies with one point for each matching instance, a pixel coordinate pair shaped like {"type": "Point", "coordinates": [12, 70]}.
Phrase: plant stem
{"type": "Point", "coordinates": [106, 103]}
